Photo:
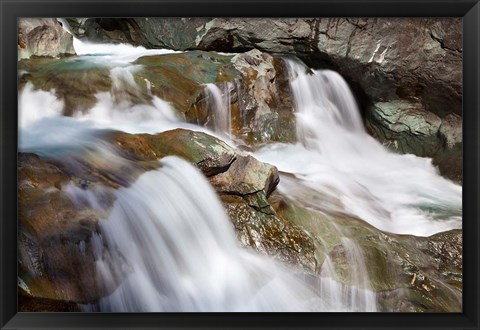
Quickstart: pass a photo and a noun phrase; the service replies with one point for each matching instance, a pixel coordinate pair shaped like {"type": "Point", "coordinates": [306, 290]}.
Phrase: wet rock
{"type": "Point", "coordinates": [52, 228]}
{"type": "Point", "coordinates": [179, 78]}
{"type": "Point", "coordinates": [245, 176]}
{"type": "Point", "coordinates": [75, 82]}
{"type": "Point", "coordinates": [229, 171]}
{"type": "Point", "coordinates": [243, 184]}
{"type": "Point", "coordinates": [255, 84]}
{"type": "Point", "coordinates": [408, 273]}
{"type": "Point", "coordinates": [208, 153]}
{"type": "Point", "coordinates": [451, 130]}
{"type": "Point", "coordinates": [414, 60]}
{"type": "Point", "coordinates": [262, 230]}
{"type": "Point", "coordinates": [406, 127]}
{"type": "Point", "coordinates": [43, 37]}
{"type": "Point", "coordinates": [152, 32]}
{"type": "Point", "coordinates": [264, 99]}
{"type": "Point", "coordinates": [175, 78]}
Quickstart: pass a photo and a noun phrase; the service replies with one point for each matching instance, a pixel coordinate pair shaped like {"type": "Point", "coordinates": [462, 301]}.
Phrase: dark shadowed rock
{"type": "Point", "coordinates": [29, 303]}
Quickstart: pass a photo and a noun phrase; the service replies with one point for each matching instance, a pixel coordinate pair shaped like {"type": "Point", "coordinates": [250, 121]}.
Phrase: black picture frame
{"type": "Point", "coordinates": [12, 9]}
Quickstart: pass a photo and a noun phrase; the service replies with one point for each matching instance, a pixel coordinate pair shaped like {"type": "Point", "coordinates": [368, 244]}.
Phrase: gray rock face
{"type": "Point", "coordinates": [413, 58]}
{"type": "Point", "coordinates": [43, 37]}
{"type": "Point", "coordinates": [451, 130]}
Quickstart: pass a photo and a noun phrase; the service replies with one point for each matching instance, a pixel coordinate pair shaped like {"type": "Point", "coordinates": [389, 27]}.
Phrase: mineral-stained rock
{"type": "Point", "coordinates": [407, 128]}
{"type": "Point", "coordinates": [243, 183]}
{"type": "Point", "coordinates": [409, 273]}
{"type": "Point", "coordinates": [210, 154]}
{"type": "Point", "coordinates": [74, 82]}
{"type": "Point", "coordinates": [52, 230]}
{"type": "Point", "coordinates": [268, 234]}
{"type": "Point", "coordinates": [264, 98]}
{"type": "Point", "coordinates": [43, 37]}
{"type": "Point", "coordinates": [229, 171]}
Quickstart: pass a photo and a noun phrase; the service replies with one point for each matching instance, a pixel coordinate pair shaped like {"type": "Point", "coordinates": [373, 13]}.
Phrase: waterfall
{"type": "Point", "coordinates": [218, 103]}
{"type": "Point", "coordinates": [335, 157]}
{"type": "Point", "coordinates": [167, 245]}
{"type": "Point", "coordinates": [161, 249]}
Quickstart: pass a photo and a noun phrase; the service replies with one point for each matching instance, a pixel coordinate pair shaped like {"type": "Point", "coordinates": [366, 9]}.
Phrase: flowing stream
{"type": "Point", "coordinates": [335, 157]}
{"type": "Point", "coordinates": [167, 243]}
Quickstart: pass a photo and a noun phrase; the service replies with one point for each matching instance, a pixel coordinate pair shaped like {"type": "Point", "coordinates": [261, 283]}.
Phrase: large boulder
{"type": "Point", "coordinates": [43, 37]}
{"type": "Point", "coordinates": [55, 260]}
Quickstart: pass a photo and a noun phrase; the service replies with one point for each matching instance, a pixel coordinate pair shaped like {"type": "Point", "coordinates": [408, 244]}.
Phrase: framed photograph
{"type": "Point", "coordinates": [254, 164]}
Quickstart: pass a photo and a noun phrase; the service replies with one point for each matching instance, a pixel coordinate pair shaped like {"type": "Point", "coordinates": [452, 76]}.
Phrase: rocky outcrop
{"type": "Point", "coordinates": [54, 255]}
{"type": "Point", "coordinates": [264, 99]}
{"type": "Point", "coordinates": [414, 61]}
{"type": "Point", "coordinates": [413, 58]}
{"type": "Point", "coordinates": [61, 202]}
{"type": "Point", "coordinates": [43, 37]}
{"type": "Point", "coordinates": [243, 183]}
{"type": "Point", "coordinates": [408, 273]}
{"type": "Point", "coordinates": [255, 85]}
{"type": "Point", "coordinates": [175, 78]}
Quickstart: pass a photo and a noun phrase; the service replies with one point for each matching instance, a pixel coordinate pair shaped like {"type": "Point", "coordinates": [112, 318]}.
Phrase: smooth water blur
{"type": "Point", "coordinates": [218, 101]}
{"type": "Point", "coordinates": [161, 249]}
{"type": "Point", "coordinates": [113, 54]}
{"type": "Point", "coordinates": [335, 156]}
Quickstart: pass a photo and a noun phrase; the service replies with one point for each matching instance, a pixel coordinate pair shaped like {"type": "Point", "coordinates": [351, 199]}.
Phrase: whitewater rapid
{"type": "Point", "coordinates": [335, 157]}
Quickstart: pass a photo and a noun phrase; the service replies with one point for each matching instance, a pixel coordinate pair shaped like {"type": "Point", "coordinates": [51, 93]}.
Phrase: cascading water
{"type": "Point", "coordinates": [218, 101]}
{"type": "Point", "coordinates": [166, 251]}
{"type": "Point", "coordinates": [335, 157]}
{"type": "Point", "coordinates": [167, 244]}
